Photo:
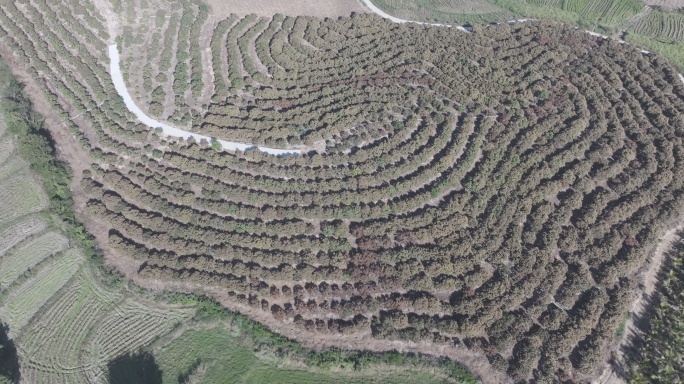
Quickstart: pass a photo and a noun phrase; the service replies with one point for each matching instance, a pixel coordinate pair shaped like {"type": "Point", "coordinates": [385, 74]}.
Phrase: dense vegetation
{"type": "Point", "coordinates": [654, 28]}
{"type": "Point", "coordinates": [74, 321]}
{"type": "Point", "coordinates": [656, 355]}
{"type": "Point", "coordinates": [442, 189]}
{"type": "Point", "coordinates": [493, 191]}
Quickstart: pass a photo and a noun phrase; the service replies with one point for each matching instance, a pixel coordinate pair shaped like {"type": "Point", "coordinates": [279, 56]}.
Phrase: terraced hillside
{"type": "Point", "coordinates": [661, 31]}
{"type": "Point", "coordinates": [652, 25]}
{"type": "Point", "coordinates": [490, 197]}
{"type": "Point", "coordinates": [63, 319]}
{"type": "Point", "coordinates": [64, 325]}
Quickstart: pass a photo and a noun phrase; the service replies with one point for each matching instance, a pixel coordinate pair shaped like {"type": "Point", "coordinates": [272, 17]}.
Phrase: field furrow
{"type": "Point", "coordinates": [22, 258]}
{"type": "Point", "coordinates": [20, 196]}
{"type": "Point", "coordinates": [27, 299]}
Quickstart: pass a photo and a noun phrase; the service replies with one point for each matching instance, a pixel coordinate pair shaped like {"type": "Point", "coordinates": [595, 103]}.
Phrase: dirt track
{"type": "Point", "coordinates": [318, 8]}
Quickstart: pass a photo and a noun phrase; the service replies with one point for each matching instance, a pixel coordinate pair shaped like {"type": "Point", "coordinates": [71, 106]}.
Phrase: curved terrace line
{"type": "Point", "coordinates": [122, 90]}
{"type": "Point", "coordinates": [384, 15]}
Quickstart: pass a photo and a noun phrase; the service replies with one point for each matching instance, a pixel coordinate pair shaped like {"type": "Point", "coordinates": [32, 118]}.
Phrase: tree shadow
{"type": "Point", "coordinates": [185, 376]}
{"type": "Point", "coordinates": [137, 368]}
{"type": "Point", "coordinates": [9, 361]}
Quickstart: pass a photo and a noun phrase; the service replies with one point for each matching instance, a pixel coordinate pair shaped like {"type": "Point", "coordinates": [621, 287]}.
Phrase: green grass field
{"type": "Point", "coordinates": [26, 256]}
{"type": "Point", "coordinates": [19, 197]}
{"type": "Point", "coordinates": [662, 33]}
{"type": "Point", "coordinates": [220, 355]}
{"type": "Point", "coordinates": [31, 295]}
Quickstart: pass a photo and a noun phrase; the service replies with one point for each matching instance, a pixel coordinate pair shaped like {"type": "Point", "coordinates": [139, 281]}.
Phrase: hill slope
{"type": "Point", "coordinates": [490, 197]}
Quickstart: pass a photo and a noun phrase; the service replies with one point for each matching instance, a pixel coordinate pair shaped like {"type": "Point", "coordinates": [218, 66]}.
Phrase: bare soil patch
{"type": "Point", "coordinates": [318, 8]}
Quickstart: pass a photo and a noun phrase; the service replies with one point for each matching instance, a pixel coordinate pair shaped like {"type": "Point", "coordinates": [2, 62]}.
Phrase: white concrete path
{"type": "Point", "coordinates": [120, 85]}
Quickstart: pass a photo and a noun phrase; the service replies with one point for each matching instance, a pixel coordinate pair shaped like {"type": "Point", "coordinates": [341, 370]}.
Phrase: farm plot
{"type": "Point", "coordinates": [11, 166]}
{"type": "Point", "coordinates": [666, 4]}
{"type": "Point", "coordinates": [610, 12]}
{"type": "Point", "coordinates": [84, 327]}
{"type": "Point", "coordinates": [662, 26]}
{"type": "Point", "coordinates": [6, 148]}
{"type": "Point", "coordinates": [129, 326]}
{"type": "Point", "coordinates": [25, 299]}
{"type": "Point", "coordinates": [604, 13]}
{"type": "Point", "coordinates": [673, 50]}
{"type": "Point", "coordinates": [25, 256]}
{"type": "Point", "coordinates": [20, 196]}
{"type": "Point", "coordinates": [52, 344]}
{"type": "Point", "coordinates": [18, 231]}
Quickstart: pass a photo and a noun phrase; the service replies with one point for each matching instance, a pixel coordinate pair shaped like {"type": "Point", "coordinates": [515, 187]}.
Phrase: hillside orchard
{"type": "Point", "coordinates": [493, 192]}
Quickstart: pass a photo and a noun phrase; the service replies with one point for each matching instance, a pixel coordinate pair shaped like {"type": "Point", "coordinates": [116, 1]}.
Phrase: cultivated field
{"type": "Point", "coordinates": [604, 14]}
{"type": "Point", "coordinates": [489, 197]}
{"type": "Point", "coordinates": [19, 196]}
{"type": "Point", "coordinates": [224, 353]}
{"type": "Point", "coordinates": [661, 25]}
{"type": "Point", "coordinates": [22, 304]}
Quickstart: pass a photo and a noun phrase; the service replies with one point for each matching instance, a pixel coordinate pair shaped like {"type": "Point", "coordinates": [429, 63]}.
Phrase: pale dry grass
{"type": "Point", "coordinates": [666, 4]}
{"type": "Point", "coordinates": [318, 8]}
